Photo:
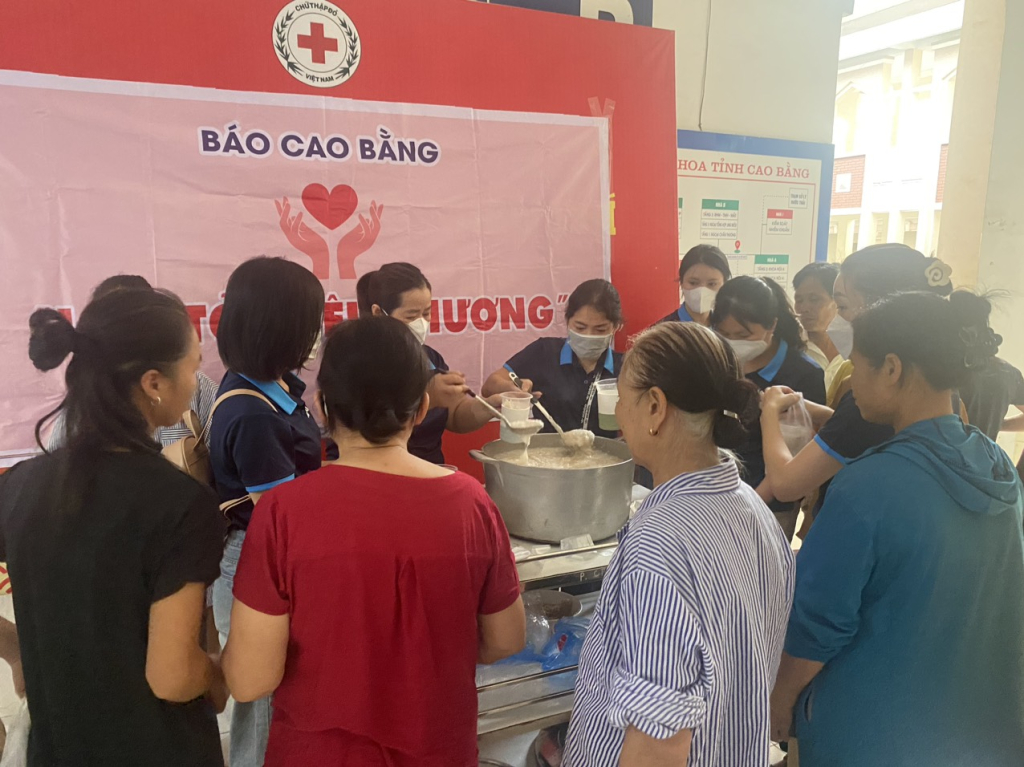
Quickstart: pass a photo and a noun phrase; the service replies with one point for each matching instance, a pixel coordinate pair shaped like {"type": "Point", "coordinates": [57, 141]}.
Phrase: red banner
{"type": "Point", "coordinates": [449, 53]}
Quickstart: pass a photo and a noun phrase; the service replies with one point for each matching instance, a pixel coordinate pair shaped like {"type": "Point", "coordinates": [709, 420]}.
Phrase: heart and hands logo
{"type": "Point", "coordinates": [331, 208]}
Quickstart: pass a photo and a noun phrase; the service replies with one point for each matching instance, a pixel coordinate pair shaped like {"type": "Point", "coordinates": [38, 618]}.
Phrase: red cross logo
{"type": "Point", "coordinates": [318, 43]}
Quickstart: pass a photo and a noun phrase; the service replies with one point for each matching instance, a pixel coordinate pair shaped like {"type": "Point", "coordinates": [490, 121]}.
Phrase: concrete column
{"type": "Point", "coordinates": [971, 135]}
{"type": "Point", "coordinates": [982, 232]}
{"type": "Point", "coordinates": [895, 233]}
{"type": "Point", "coordinates": [867, 229]}
{"type": "Point", "coordinates": [925, 225]}
{"type": "Point", "coordinates": [848, 234]}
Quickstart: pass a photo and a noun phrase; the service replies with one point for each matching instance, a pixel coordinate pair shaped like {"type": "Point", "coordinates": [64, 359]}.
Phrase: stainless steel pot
{"type": "Point", "coordinates": [548, 505]}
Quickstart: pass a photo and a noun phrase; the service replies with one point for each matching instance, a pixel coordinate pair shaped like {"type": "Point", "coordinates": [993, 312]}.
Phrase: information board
{"type": "Point", "coordinates": [764, 202]}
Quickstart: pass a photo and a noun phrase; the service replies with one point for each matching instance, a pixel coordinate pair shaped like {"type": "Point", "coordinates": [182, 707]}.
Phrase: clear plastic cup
{"type": "Point", "coordinates": [607, 399]}
{"type": "Point", "coordinates": [517, 407]}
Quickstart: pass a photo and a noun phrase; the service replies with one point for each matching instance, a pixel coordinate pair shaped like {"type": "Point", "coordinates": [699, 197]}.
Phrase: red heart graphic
{"type": "Point", "coordinates": [332, 209]}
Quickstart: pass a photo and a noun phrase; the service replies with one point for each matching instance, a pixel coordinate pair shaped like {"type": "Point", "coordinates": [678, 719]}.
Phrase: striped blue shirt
{"type": "Point", "coordinates": [689, 626]}
{"type": "Point", "coordinates": [201, 404]}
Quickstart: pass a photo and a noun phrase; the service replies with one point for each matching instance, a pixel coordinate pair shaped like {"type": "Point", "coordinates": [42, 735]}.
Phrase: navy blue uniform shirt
{"type": "Point", "coordinates": [254, 447]}
{"type": "Point", "coordinates": [789, 367]}
{"type": "Point", "coordinates": [557, 373]}
{"type": "Point", "coordinates": [682, 314]}
{"type": "Point", "coordinates": [425, 441]}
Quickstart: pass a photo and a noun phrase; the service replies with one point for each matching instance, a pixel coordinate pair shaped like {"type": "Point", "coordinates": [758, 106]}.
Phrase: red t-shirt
{"type": "Point", "coordinates": [383, 578]}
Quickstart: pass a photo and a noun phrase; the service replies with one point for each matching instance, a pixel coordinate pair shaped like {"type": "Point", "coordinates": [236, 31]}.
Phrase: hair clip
{"type": "Point", "coordinates": [730, 414]}
{"type": "Point", "coordinates": [938, 273]}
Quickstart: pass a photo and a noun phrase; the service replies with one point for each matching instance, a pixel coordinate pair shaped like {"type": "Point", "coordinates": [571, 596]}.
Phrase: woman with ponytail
{"type": "Point", "coordinates": [678, 662]}
{"type": "Point", "coordinates": [111, 548]}
{"type": "Point", "coordinates": [904, 643]}
{"type": "Point", "coordinates": [865, 277]}
{"type": "Point", "coordinates": [754, 315]}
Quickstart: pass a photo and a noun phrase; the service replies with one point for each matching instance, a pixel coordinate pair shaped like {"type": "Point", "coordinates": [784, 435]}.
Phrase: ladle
{"type": "Point", "coordinates": [525, 429]}
{"type": "Point", "coordinates": [577, 441]}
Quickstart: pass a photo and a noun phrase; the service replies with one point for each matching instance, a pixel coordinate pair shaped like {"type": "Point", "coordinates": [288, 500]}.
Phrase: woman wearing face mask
{"type": "Point", "coordinates": [904, 642]}
{"type": "Point", "coordinates": [565, 371]}
{"type": "Point", "coordinates": [754, 316]}
{"type": "Point", "coordinates": [865, 277]}
{"type": "Point", "coordinates": [402, 292]}
{"type": "Point", "coordinates": [702, 273]}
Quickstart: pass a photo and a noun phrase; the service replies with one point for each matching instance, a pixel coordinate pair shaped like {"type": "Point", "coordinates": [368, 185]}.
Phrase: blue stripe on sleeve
{"type": "Point", "coordinates": [829, 451]}
{"type": "Point", "coordinates": [269, 485]}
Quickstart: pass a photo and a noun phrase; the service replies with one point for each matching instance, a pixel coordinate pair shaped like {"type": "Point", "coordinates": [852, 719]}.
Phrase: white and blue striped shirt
{"type": "Point", "coordinates": [201, 404]}
{"type": "Point", "coordinates": [689, 626]}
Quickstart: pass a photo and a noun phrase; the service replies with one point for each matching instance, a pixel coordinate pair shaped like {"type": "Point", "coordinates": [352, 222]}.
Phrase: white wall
{"type": "Point", "coordinates": [771, 65]}
{"type": "Point", "coordinates": [750, 67]}
{"type": "Point", "coordinates": [1001, 264]}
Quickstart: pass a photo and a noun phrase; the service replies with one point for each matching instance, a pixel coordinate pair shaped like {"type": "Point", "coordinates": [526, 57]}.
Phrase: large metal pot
{"type": "Point", "coordinates": [551, 504]}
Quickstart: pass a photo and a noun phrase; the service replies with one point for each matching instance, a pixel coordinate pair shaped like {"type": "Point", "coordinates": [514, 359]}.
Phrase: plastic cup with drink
{"type": "Point", "coordinates": [607, 399]}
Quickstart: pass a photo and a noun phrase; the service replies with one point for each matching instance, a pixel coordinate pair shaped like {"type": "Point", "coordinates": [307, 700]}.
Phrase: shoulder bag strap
{"type": "Point", "coordinates": [227, 505]}
{"type": "Point", "coordinates": [227, 396]}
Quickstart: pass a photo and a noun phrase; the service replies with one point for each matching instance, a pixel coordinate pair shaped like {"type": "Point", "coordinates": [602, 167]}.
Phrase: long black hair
{"type": "Point", "coordinates": [385, 286]}
{"type": "Point", "coordinates": [373, 377]}
{"type": "Point", "coordinates": [119, 337]}
{"type": "Point", "coordinates": [273, 314]}
{"type": "Point", "coordinates": [759, 301]}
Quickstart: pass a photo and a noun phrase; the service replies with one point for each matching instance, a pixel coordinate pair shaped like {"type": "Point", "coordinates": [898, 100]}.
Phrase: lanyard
{"type": "Point", "coordinates": [591, 393]}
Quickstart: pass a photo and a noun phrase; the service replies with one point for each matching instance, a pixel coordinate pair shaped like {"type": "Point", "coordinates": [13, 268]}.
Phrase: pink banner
{"type": "Point", "coordinates": [504, 212]}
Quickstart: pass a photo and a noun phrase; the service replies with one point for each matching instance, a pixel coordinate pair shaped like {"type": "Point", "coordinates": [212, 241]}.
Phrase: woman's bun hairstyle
{"type": "Point", "coordinates": [700, 375]}
{"type": "Point", "coordinates": [51, 339]}
{"type": "Point", "coordinates": [940, 337]}
{"type": "Point", "coordinates": [883, 270]}
{"type": "Point", "coordinates": [980, 341]}
{"type": "Point", "coordinates": [734, 423]}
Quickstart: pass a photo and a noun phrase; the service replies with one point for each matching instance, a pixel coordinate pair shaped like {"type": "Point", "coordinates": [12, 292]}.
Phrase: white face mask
{"type": "Point", "coordinates": [748, 350]}
{"type": "Point", "coordinates": [588, 347]}
{"type": "Point", "coordinates": [841, 333]}
{"type": "Point", "coordinates": [420, 328]}
{"type": "Point", "coordinates": [699, 300]}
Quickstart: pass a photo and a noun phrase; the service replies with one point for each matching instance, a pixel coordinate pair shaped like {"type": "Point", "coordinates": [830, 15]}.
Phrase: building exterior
{"type": "Point", "coordinates": [894, 105]}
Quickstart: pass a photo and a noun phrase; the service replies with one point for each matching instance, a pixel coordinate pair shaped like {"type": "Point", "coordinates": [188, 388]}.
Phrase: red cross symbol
{"type": "Point", "coordinates": [318, 43]}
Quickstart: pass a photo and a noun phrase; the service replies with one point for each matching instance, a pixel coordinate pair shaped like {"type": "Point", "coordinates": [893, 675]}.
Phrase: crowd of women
{"type": "Point", "coordinates": [354, 581]}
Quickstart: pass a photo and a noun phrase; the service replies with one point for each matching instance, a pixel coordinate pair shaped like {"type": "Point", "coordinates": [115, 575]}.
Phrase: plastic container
{"type": "Point", "coordinates": [517, 407]}
{"type": "Point", "coordinates": [607, 399]}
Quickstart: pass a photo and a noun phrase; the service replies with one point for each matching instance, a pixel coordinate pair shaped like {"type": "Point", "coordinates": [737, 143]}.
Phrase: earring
{"type": "Point", "coordinates": [653, 432]}
{"type": "Point", "coordinates": [156, 402]}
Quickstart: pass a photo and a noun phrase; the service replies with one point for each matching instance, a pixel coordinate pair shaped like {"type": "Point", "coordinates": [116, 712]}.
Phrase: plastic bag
{"type": "Point", "coordinates": [538, 631]}
{"type": "Point", "coordinates": [563, 649]}
{"type": "Point", "coordinates": [16, 748]}
{"type": "Point", "coordinates": [797, 427]}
